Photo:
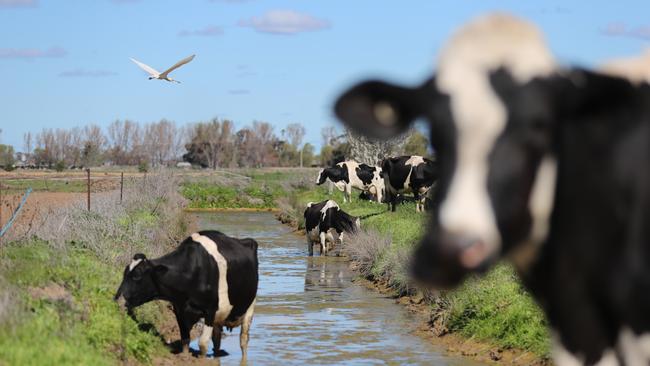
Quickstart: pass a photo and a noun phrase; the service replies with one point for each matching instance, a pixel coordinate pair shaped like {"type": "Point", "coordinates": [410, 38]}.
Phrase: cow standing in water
{"type": "Point", "coordinates": [326, 223]}
{"type": "Point", "coordinates": [546, 166]}
{"type": "Point", "coordinates": [411, 173]}
{"type": "Point", "coordinates": [210, 276]}
{"type": "Point", "coordinates": [350, 174]}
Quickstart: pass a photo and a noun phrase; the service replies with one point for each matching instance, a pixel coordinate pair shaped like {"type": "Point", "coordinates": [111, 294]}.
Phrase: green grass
{"type": "Point", "coordinates": [88, 330]}
{"type": "Point", "coordinates": [497, 308]}
{"type": "Point", "coordinates": [204, 195]}
{"type": "Point", "coordinates": [261, 191]}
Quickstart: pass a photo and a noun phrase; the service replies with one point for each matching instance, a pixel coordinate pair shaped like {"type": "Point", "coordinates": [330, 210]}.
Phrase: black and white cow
{"type": "Point", "coordinates": [210, 276]}
{"type": "Point", "coordinates": [549, 167]}
{"type": "Point", "coordinates": [350, 174]}
{"type": "Point", "coordinates": [326, 223]}
{"type": "Point", "coordinates": [411, 173]}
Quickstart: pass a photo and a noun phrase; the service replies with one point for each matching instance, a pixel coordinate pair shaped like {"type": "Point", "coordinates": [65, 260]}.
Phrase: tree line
{"type": "Point", "coordinates": [216, 143]}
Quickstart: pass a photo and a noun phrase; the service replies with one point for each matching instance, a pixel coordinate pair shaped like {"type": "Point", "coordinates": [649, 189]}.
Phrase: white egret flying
{"type": "Point", "coordinates": [153, 74]}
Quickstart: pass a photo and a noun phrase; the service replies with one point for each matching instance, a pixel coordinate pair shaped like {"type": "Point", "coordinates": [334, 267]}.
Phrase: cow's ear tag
{"type": "Point", "coordinates": [385, 114]}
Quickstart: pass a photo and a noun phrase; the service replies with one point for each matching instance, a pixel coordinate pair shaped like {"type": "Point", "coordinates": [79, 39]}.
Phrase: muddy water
{"type": "Point", "coordinates": [310, 313]}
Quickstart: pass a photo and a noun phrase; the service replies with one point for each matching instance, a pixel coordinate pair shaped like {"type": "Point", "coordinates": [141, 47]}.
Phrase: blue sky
{"type": "Point", "coordinates": [66, 63]}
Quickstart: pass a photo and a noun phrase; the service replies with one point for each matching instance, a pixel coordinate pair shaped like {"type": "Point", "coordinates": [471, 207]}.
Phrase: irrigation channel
{"type": "Point", "coordinates": [309, 312]}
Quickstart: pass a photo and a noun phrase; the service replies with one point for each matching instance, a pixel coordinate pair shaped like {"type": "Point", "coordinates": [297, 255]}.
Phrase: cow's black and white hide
{"type": "Point", "coordinates": [210, 276]}
{"type": "Point", "coordinates": [326, 223]}
{"type": "Point", "coordinates": [409, 174]}
{"type": "Point", "coordinates": [350, 174]}
{"type": "Point", "coordinates": [548, 167]}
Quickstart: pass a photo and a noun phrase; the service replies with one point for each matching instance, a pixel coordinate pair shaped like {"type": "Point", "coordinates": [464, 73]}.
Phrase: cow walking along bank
{"type": "Point", "coordinates": [350, 174]}
{"type": "Point", "coordinates": [210, 276]}
{"type": "Point", "coordinates": [548, 166]}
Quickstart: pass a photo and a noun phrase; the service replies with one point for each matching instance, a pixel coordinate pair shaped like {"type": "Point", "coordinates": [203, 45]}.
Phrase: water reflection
{"type": "Point", "coordinates": [322, 273]}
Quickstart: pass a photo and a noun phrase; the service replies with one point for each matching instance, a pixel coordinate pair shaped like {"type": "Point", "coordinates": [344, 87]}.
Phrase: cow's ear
{"type": "Point", "coordinates": [382, 110]}
{"type": "Point", "coordinates": [139, 256]}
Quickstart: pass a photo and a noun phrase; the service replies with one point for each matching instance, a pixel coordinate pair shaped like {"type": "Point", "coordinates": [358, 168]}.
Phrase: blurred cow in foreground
{"type": "Point", "coordinates": [546, 166]}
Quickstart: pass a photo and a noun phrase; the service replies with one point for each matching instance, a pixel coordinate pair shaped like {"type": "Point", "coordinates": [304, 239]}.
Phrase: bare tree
{"type": "Point", "coordinates": [329, 135]}
{"type": "Point", "coordinates": [27, 142]}
{"type": "Point", "coordinates": [372, 152]}
{"type": "Point", "coordinates": [295, 133]}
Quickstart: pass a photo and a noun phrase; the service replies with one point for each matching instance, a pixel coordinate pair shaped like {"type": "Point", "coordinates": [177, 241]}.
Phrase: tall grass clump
{"type": "Point", "coordinates": [149, 219]}
{"type": "Point", "coordinates": [364, 248]}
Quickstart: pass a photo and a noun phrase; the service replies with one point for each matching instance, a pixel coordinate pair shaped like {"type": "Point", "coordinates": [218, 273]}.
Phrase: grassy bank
{"type": "Point", "coordinates": [63, 274]}
{"type": "Point", "coordinates": [244, 188]}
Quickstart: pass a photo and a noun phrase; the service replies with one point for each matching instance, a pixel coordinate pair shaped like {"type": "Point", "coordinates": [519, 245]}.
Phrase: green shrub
{"type": "Point", "coordinates": [143, 167]}
{"type": "Point", "coordinates": [59, 166]}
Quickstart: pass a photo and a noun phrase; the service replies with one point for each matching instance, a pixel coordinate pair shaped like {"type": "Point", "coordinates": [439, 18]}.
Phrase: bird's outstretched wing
{"type": "Point", "coordinates": [150, 70]}
{"type": "Point", "coordinates": [178, 64]}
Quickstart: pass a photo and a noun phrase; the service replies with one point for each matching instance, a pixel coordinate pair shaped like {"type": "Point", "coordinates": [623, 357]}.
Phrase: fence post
{"type": "Point", "coordinates": [121, 186]}
{"type": "Point", "coordinates": [88, 184]}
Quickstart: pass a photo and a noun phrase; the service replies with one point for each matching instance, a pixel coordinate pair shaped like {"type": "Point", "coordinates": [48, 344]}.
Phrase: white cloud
{"type": "Point", "coordinates": [32, 53]}
{"type": "Point", "coordinates": [18, 3]}
{"type": "Point", "coordinates": [284, 22]}
{"type": "Point", "coordinates": [209, 31]}
{"type": "Point", "coordinates": [619, 29]}
{"type": "Point", "coordinates": [81, 73]}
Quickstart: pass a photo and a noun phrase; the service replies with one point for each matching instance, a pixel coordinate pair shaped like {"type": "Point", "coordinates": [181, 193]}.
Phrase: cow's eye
{"type": "Point", "coordinates": [136, 277]}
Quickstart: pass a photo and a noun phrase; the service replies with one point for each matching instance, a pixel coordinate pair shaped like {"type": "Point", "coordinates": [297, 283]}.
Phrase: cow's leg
{"type": "Point", "coordinates": [183, 327]}
{"type": "Point", "coordinates": [204, 339]}
{"type": "Point", "coordinates": [423, 200]}
{"type": "Point", "coordinates": [310, 246]}
{"type": "Point", "coordinates": [323, 243]}
{"type": "Point", "coordinates": [245, 328]}
{"type": "Point", "coordinates": [216, 339]}
{"type": "Point", "coordinates": [416, 196]}
{"type": "Point", "coordinates": [346, 193]}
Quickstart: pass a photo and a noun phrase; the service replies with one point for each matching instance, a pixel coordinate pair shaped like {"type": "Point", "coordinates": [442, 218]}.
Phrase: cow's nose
{"type": "Point", "coordinates": [121, 301]}
{"type": "Point", "coordinates": [469, 251]}
{"type": "Point", "coordinates": [444, 259]}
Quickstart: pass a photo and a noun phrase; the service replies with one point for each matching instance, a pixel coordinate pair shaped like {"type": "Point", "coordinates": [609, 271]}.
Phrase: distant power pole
{"type": "Point", "coordinates": [303, 148]}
